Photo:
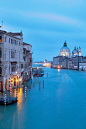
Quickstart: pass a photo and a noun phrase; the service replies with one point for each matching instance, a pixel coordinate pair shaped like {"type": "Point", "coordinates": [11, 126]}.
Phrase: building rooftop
{"type": "Point", "coordinates": [16, 34]}
{"type": "Point", "coordinates": [26, 44]}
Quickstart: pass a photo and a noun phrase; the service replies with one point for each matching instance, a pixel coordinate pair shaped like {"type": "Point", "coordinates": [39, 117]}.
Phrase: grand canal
{"type": "Point", "coordinates": [61, 104]}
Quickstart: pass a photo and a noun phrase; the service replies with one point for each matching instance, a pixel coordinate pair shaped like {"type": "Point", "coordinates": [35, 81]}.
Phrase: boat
{"type": "Point", "coordinates": [38, 73]}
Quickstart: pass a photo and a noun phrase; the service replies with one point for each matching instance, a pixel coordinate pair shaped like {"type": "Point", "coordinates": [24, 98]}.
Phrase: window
{"type": "Point", "coordinates": [0, 52]}
{"type": "Point", "coordinates": [9, 40]}
{"type": "Point", "coordinates": [24, 58]}
{"type": "Point", "coordinates": [13, 69]}
{"type": "Point", "coordinates": [19, 55]}
{"type": "Point", "coordinates": [15, 53]}
{"type": "Point", "coordinates": [16, 42]}
{"type": "Point", "coordinates": [12, 54]}
{"type": "Point", "coordinates": [9, 53]}
{"type": "Point", "coordinates": [0, 38]}
{"type": "Point", "coordinates": [0, 70]}
{"type": "Point", "coordinates": [21, 65]}
{"type": "Point", "coordinates": [19, 43]}
{"type": "Point", "coordinates": [5, 39]}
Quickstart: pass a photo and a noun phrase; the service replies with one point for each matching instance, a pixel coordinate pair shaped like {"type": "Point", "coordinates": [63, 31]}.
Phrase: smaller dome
{"type": "Point", "coordinates": [75, 52]}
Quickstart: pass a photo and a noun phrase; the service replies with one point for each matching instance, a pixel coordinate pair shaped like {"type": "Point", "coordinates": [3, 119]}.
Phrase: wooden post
{"type": "Point", "coordinates": [5, 98]}
{"type": "Point", "coordinates": [25, 92]}
{"type": "Point", "coordinates": [38, 78]}
{"type": "Point", "coordinates": [39, 85]}
{"type": "Point", "coordinates": [10, 89]}
{"type": "Point", "coordinates": [35, 79]}
{"type": "Point", "coordinates": [43, 83]}
{"type": "Point", "coordinates": [16, 91]}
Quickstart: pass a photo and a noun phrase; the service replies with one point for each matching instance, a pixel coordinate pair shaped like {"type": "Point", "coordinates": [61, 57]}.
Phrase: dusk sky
{"type": "Point", "coordinates": [46, 24]}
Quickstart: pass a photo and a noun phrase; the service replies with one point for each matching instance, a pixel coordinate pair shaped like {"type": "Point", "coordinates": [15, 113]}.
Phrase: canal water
{"type": "Point", "coordinates": [61, 104]}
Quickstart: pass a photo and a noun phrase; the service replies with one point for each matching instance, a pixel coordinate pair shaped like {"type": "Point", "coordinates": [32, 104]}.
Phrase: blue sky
{"type": "Point", "coordinates": [46, 24]}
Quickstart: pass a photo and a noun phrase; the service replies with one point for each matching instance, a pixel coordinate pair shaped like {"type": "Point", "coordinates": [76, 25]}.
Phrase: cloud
{"type": "Point", "coordinates": [51, 17]}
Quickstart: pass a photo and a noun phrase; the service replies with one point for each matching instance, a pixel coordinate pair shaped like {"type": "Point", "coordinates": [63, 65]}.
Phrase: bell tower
{"type": "Point", "coordinates": [79, 50]}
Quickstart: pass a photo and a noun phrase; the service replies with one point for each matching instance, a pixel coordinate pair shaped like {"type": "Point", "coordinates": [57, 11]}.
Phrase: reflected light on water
{"type": "Point", "coordinates": [20, 97]}
{"type": "Point", "coordinates": [58, 70]}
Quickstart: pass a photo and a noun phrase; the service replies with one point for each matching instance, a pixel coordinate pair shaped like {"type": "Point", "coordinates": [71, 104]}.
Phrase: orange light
{"type": "Point", "coordinates": [59, 67]}
{"type": "Point", "coordinates": [9, 79]}
{"type": "Point", "coordinates": [0, 40]}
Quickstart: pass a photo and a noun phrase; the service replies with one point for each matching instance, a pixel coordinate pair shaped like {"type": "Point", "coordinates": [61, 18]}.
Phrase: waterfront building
{"type": "Point", "coordinates": [65, 51]}
{"type": "Point", "coordinates": [75, 62]}
{"type": "Point", "coordinates": [27, 56]}
{"type": "Point", "coordinates": [57, 62]}
{"type": "Point", "coordinates": [12, 62]}
{"type": "Point", "coordinates": [65, 60]}
{"type": "Point", "coordinates": [47, 64]}
{"type": "Point", "coordinates": [70, 63]}
{"type": "Point", "coordinates": [82, 66]}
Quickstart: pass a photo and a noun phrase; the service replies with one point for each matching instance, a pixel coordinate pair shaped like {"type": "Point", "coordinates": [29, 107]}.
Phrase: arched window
{"type": "Point", "coordinates": [0, 52]}
{"type": "Point", "coordinates": [0, 70]}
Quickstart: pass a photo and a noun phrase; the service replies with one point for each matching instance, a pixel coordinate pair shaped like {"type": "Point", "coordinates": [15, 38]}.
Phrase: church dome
{"type": "Point", "coordinates": [75, 52]}
{"type": "Point", "coordinates": [65, 51]}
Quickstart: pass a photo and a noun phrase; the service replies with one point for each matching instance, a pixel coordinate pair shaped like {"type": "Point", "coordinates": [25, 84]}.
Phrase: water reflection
{"type": "Point", "coordinates": [20, 97]}
{"type": "Point", "coordinates": [58, 70]}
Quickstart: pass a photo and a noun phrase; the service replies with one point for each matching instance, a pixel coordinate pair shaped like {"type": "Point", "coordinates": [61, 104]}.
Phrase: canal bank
{"type": "Point", "coordinates": [60, 104]}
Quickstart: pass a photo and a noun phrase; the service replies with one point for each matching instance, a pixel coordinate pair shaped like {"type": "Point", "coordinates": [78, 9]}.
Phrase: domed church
{"type": "Point", "coordinates": [76, 52]}
{"type": "Point", "coordinates": [65, 51]}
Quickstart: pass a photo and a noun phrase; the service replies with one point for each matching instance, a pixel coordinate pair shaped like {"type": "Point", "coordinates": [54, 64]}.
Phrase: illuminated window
{"type": "Point", "coordinates": [0, 38]}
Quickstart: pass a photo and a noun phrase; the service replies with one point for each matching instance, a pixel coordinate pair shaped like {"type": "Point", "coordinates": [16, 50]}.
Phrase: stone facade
{"type": "Point", "coordinates": [12, 62]}
{"type": "Point", "coordinates": [82, 66]}
{"type": "Point", "coordinates": [27, 56]}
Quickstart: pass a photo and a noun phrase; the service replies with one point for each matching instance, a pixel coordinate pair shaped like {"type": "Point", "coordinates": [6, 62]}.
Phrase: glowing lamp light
{"type": "Point", "coordinates": [58, 67]}
{"type": "Point", "coordinates": [9, 80]}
